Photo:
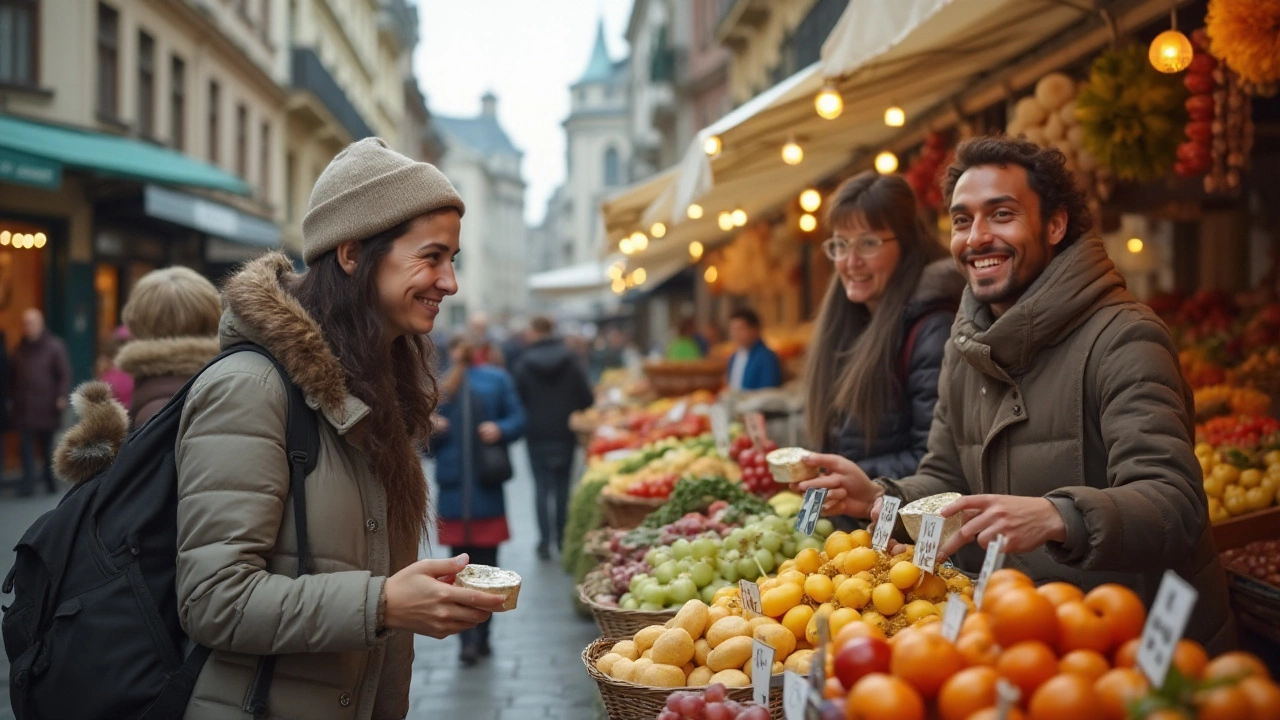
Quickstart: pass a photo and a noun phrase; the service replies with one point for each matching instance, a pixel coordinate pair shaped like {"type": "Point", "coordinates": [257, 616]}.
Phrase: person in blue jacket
{"type": "Point", "coordinates": [754, 366]}
{"type": "Point", "coordinates": [479, 404]}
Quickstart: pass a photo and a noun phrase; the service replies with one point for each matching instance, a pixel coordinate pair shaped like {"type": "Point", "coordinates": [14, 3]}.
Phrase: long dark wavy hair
{"type": "Point", "coordinates": [346, 307]}
{"type": "Point", "coordinates": [853, 360]}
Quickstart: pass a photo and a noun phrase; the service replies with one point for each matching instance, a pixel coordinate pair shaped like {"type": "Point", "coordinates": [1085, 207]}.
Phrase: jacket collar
{"type": "Point", "coordinates": [260, 309]}
{"type": "Point", "coordinates": [1078, 282]}
{"type": "Point", "coordinates": [165, 357]}
{"type": "Point", "coordinates": [940, 283]}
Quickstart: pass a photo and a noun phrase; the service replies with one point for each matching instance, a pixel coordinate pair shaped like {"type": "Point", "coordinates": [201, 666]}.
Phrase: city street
{"type": "Point", "coordinates": [535, 671]}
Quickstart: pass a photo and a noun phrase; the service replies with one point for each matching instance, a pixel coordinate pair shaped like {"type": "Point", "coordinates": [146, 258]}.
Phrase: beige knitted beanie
{"type": "Point", "coordinates": [369, 188]}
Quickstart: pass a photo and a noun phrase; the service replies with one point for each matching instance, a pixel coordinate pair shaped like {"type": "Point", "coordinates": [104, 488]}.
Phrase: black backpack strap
{"type": "Point", "coordinates": [172, 702]}
{"type": "Point", "coordinates": [302, 447]}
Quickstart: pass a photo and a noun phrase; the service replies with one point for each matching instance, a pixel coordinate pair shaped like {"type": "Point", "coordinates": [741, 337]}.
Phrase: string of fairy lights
{"type": "Point", "coordinates": [1170, 52]}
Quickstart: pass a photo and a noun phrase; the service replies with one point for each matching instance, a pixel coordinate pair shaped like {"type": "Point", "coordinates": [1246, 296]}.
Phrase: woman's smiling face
{"type": "Point", "coordinates": [417, 274]}
{"type": "Point", "coordinates": [866, 277]}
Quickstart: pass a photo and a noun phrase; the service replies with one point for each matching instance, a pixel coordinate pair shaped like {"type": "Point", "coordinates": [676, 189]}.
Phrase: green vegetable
{"type": "Point", "coordinates": [691, 495]}
{"type": "Point", "coordinates": [584, 516]}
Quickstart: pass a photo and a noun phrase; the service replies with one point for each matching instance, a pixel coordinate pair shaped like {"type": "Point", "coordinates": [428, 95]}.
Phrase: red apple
{"type": "Point", "coordinates": [862, 656]}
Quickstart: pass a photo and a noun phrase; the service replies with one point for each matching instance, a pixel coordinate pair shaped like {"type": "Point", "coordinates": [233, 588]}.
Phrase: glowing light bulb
{"type": "Point", "coordinates": [615, 271]}
{"type": "Point", "coordinates": [895, 117]}
{"type": "Point", "coordinates": [828, 103]}
{"type": "Point", "coordinates": [696, 250]}
{"type": "Point", "coordinates": [40, 239]}
{"type": "Point", "coordinates": [810, 200]}
{"type": "Point", "coordinates": [808, 223]}
{"type": "Point", "coordinates": [4, 237]}
{"type": "Point", "coordinates": [1134, 245]}
{"type": "Point", "coordinates": [625, 246]}
{"type": "Point", "coordinates": [1170, 52]}
{"type": "Point", "coordinates": [658, 230]}
{"type": "Point", "coordinates": [639, 241]}
{"type": "Point", "coordinates": [886, 162]}
{"type": "Point", "coordinates": [694, 211]}
{"type": "Point", "coordinates": [726, 220]}
{"type": "Point", "coordinates": [739, 217]}
{"type": "Point", "coordinates": [792, 153]}
{"type": "Point", "coordinates": [619, 286]}
{"type": "Point", "coordinates": [711, 275]}
{"type": "Point", "coordinates": [639, 276]}
{"type": "Point", "coordinates": [712, 146]}
{"type": "Point", "coordinates": [28, 240]}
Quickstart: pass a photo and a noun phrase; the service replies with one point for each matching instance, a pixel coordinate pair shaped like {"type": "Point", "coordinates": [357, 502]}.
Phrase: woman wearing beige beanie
{"type": "Point", "coordinates": [379, 239]}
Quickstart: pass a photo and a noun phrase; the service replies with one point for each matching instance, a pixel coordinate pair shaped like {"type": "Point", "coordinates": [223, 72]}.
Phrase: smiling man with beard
{"type": "Point", "coordinates": [1062, 417]}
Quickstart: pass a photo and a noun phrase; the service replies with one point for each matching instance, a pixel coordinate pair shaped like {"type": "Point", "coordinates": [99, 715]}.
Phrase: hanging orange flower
{"type": "Point", "coordinates": [1245, 34]}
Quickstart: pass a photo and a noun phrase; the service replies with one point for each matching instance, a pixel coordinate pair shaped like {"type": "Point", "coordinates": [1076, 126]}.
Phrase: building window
{"type": "Point", "coordinates": [612, 168]}
{"type": "Point", "coordinates": [18, 53]}
{"type": "Point", "coordinates": [264, 161]}
{"type": "Point", "coordinates": [178, 103]}
{"type": "Point", "coordinates": [242, 141]}
{"type": "Point", "coordinates": [213, 121]}
{"type": "Point", "coordinates": [108, 57]}
{"type": "Point", "coordinates": [146, 85]}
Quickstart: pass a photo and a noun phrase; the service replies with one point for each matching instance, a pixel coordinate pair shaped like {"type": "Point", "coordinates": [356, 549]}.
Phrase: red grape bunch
{"type": "Point", "coordinates": [755, 469]}
{"type": "Point", "coordinates": [711, 704]}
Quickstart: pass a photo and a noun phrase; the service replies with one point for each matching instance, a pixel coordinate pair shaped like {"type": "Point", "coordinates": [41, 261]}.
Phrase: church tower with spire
{"type": "Point", "coordinates": [598, 150]}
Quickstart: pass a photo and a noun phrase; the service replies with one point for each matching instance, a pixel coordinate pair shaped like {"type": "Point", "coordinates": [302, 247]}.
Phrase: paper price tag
{"type": "Point", "coordinates": [818, 670]}
{"type": "Point", "coordinates": [754, 423]}
{"type": "Point", "coordinates": [615, 455]}
{"type": "Point", "coordinates": [927, 543]}
{"type": "Point", "coordinates": [750, 593]}
{"type": "Point", "coordinates": [884, 526]}
{"type": "Point", "coordinates": [1165, 624]}
{"type": "Point", "coordinates": [993, 562]}
{"type": "Point", "coordinates": [678, 412]}
{"type": "Point", "coordinates": [761, 671]}
{"type": "Point", "coordinates": [720, 428]}
{"type": "Point", "coordinates": [795, 696]}
{"type": "Point", "coordinates": [953, 619]}
{"type": "Point", "coordinates": [1007, 695]}
{"type": "Point", "coordinates": [811, 510]}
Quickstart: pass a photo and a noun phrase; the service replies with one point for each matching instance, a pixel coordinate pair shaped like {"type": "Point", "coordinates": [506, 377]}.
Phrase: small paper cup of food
{"type": "Point", "coordinates": [492, 580]}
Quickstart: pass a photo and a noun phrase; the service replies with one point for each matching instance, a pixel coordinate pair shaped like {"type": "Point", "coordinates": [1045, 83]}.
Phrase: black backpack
{"type": "Point", "coordinates": [93, 631]}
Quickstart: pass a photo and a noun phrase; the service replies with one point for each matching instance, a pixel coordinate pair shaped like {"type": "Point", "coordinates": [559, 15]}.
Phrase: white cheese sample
{"type": "Point", "coordinates": [932, 505]}
{"type": "Point", "coordinates": [787, 465]}
{"type": "Point", "coordinates": [492, 580]}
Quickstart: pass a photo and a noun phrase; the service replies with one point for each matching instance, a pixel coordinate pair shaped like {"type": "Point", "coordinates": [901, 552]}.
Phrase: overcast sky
{"type": "Point", "coordinates": [527, 52]}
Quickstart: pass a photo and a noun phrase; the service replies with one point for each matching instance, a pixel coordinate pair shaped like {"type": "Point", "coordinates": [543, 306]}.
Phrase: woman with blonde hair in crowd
{"type": "Point", "coordinates": [172, 315]}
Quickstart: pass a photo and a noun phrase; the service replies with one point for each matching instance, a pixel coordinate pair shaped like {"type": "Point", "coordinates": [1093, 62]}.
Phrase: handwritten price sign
{"type": "Point", "coordinates": [927, 544]}
{"type": "Point", "coordinates": [992, 563]}
{"type": "Point", "coordinates": [884, 526]}
{"type": "Point", "coordinates": [954, 617]}
{"type": "Point", "coordinates": [1165, 624]}
{"type": "Point", "coordinates": [720, 428]}
{"type": "Point", "coordinates": [750, 593]}
{"type": "Point", "coordinates": [761, 671]}
{"type": "Point", "coordinates": [811, 510]}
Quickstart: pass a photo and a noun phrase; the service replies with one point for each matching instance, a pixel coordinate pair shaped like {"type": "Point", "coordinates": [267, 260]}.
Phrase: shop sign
{"type": "Point", "coordinates": [26, 169]}
{"type": "Point", "coordinates": [209, 217]}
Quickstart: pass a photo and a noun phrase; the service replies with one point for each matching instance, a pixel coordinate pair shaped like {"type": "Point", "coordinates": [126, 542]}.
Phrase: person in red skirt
{"type": "Point", "coordinates": [479, 407]}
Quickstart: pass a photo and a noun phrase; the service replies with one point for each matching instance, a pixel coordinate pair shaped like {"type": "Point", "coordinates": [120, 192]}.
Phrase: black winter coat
{"type": "Point", "coordinates": [552, 386]}
{"type": "Point", "coordinates": [903, 435]}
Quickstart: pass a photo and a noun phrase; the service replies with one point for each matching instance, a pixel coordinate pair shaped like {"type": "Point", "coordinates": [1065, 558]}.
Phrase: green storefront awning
{"type": "Point", "coordinates": [110, 155]}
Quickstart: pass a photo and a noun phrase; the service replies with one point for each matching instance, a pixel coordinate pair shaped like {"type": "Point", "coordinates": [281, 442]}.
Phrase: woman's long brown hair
{"type": "Point", "coordinates": [852, 367]}
{"type": "Point", "coordinates": [346, 307]}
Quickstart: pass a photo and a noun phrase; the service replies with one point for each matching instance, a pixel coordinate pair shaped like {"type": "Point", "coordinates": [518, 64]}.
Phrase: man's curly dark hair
{"type": "Point", "coordinates": [1047, 175]}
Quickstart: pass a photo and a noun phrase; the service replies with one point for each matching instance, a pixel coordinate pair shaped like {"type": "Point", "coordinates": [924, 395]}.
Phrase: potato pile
{"type": "Point", "coordinates": [702, 645]}
{"type": "Point", "coordinates": [1048, 118]}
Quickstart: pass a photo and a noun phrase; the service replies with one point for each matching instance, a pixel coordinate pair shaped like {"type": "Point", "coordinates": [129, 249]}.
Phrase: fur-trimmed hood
{"type": "Point", "coordinates": [260, 310]}
{"type": "Point", "coordinates": [162, 357]}
{"type": "Point", "coordinates": [91, 445]}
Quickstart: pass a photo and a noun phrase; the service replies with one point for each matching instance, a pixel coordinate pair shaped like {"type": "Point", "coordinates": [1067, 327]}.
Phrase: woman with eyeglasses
{"type": "Point", "coordinates": [877, 348]}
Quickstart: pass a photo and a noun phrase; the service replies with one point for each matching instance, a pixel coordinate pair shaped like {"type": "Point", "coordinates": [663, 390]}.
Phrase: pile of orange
{"type": "Point", "coordinates": [1070, 654]}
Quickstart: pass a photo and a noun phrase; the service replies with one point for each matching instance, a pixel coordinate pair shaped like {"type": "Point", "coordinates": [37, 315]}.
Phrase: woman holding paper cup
{"type": "Point", "coordinates": [874, 363]}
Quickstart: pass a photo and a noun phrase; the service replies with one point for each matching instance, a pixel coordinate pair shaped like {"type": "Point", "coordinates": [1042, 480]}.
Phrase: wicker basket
{"type": "Point", "coordinates": [670, 378]}
{"type": "Point", "coordinates": [628, 701]}
{"type": "Point", "coordinates": [626, 513]}
{"type": "Point", "coordinates": [618, 623]}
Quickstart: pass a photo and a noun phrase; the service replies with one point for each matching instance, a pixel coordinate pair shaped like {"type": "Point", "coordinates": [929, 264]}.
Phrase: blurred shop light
{"type": "Point", "coordinates": [792, 153]}
{"type": "Point", "coordinates": [828, 103]}
{"type": "Point", "coordinates": [639, 276]}
{"type": "Point", "coordinates": [810, 200]}
{"type": "Point", "coordinates": [711, 146]}
{"type": "Point", "coordinates": [895, 117]}
{"type": "Point", "coordinates": [625, 246]}
{"type": "Point", "coordinates": [886, 162]}
{"type": "Point", "coordinates": [726, 220]}
{"type": "Point", "coordinates": [1134, 245]}
{"type": "Point", "coordinates": [639, 241]}
{"type": "Point", "coordinates": [696, 250]}
{"type": "Point", "coordinates": [808, 223]}
{"type": "Point", "coordinates": [658, 230]}
{"type": "Point", "coordinates": [694, 212]}
{"type": "Point", "coordinates": [711, 275]}
{"type": "Point", "coordinates": [739, 217]}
